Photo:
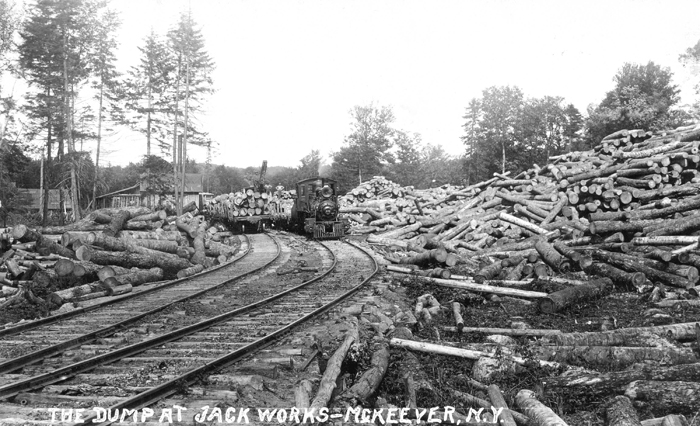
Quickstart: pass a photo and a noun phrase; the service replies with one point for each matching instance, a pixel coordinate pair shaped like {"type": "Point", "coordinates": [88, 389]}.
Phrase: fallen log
{"type": "Point", "coordinates": [559, 300]}
{"type": "Point", "coordinates": [302, 393]}
{"type": "Point", "coordinates": [141, 276]}
{"type": "Point", "coordinates": [620, 412]}
{"type": "Point", "coordinates": [118, 220]}
{"type": "Point", "coordinates": [638, 336]}
{"type": "Point", "coordinates": [616, 381]}
{"type": "Point", "coordinates": [150, 217]}
{"type": "Point", "coordinates": [488, 289]}
{"type": "Point", "coordinates": [170, 264]}
{"type": "Point", "coordinates": [676, 396]}
{"type": "Point", "coordinates": [458, 352]}
{"type": "Point", "coordinates": [330, 375]}
{"type": "Point", "coordinates": [535, 410]}
{"type": "Point", "coordinates": [498, 401]}
{"type": "Point", "coordinates": [188, 272]}
{"type": "Point", "coordinates": [370, 380]}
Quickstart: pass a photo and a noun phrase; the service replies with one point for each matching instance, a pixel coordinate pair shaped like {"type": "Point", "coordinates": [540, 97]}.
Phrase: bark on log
{"type": "Point", "coordinates": [498, 401]}
{"type": "Point", "coordinates": [370, 380]}
{"type": "Point", "coordinates": [169, 264]}
{"type": "Point", "coordinates": [552, 257]}
{"type": "Point", "coordinates": [678, 396]}
{"type": "Point", "coordinates": [22, 233]}
{"type": "Point", "coordinates": [149, 217]}
{"type": "Point", "coordinates": [199, 256]}
{"type": "Point", "coordinates": [117, 223]}
{"type": "Point", "coordinates": [458, 352]}
{"type": "Point", "coordinates": [139, 277]}
{"type": "Point", "coordinates": [457, 313]}
{"type": "Point", "coordinates": [488, 272]}
{"type": "Point", "coordinates": [302, 394]}
{"type": "Point", "coordinates": [638, 336]}
{"type": "Point", "coordinates": [535, 410]}
{"type": "Point", "coordinates": [328, 381]}
{"type": "Point", "coordinates": [620, 412]}
{"type": "Point", "coordinates": [488, 289]}
{"type": "Point", "coordinates": [152, 235]}
{"type": "Point", "coordinates": [616, 381]}
{"type": "Point", "coordinates": [628, 280]}
{"type": "Point", "coordinates": [674, 420]}
{"type": "Point", "coordinates": [559, 300]}
{"type": "Point", "coordinates": [188, 272]}
{"type": "Point", "coordinates": [636, 264]}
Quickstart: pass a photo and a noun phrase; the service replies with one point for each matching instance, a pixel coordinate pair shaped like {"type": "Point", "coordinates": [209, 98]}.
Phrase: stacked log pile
{"type": "Point", "coordinates": [250, 203]}
{"type": "Point", "coordinates": [622, 217]}
{"type": "Point", "coordinates": [240, 204]}
{"type": "Point", "coordinates": [107, 253]}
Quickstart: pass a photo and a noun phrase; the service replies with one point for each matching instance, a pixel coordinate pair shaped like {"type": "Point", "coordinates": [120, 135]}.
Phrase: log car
{"type": "Point", "coordinates": [315, 210]}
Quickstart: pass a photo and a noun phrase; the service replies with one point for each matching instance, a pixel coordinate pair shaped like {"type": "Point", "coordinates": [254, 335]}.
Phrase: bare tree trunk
{"type": "Point", "coordinates": [99, 141]}
{"type": "Point", "coordinates": [184, 136]}
{"type": "Point", "coordinates": [69, 135]}
{"type": "Point", "coordinates": [178, 202]}
{"type": "Point", "coordinates": [46, 180]}
{"type": "Point", "coordinates": [503, 164]}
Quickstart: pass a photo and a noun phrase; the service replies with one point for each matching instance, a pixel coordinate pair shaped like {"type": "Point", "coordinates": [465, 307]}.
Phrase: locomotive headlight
{"type": "Point", "coordinates": [326, 191]}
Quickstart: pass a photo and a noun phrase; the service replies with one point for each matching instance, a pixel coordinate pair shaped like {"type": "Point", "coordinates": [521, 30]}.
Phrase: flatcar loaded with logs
{"type": "Point", "coordinates": [315, 209]}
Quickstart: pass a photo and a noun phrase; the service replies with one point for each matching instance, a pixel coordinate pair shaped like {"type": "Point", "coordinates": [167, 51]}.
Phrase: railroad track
{"type": "Point", "coordinates": [144, 373]}
{"type": "Point", "coordinates": [37, 340]}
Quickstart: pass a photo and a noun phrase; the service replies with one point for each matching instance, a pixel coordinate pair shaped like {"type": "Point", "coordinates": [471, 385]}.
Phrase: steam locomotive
{"type": "Point", "coordinates": [315, 209]}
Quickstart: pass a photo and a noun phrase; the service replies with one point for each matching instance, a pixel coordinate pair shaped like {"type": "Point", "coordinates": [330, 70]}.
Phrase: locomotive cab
{"type": "Point", "coordinates": [315, 208]}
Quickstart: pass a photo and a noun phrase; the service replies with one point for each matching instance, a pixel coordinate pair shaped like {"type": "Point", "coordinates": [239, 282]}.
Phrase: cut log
{"type": "Point", "coordinates": [118, 220]}
{"type": "Point", "coordinates": [674, 420]}
{"type": "Point", "coordinates": [22, 233]}
{"type": "Point", "coordinates": [498, 401]}
{"type": "Point", "coordinates": [628, 280]}
{"type": "Point", "coordinates": [170, 264]}
{"type": "Point", "coordinates": [638, 336]}
{"type": "Point", "coordinates": [139, 277]}
{"type": "Point", "coordinates": [302, 394]}
{"type": "Point", "coordinates": [330, 375]}
{"type": "Point", "coordinates": [616, 381]}
{"type": "Point", "coordinates": [535, 410]}
{"type": "Point", "coordinates": [370, 380]}
{"type": "Point", "coordinates": [188, 272]}
{"type": "Point", "coordinates": [457, 313]}
{"type": "Point", "coordinates": [199, 256]}
{"type": "Point", "coordinates": [637, 264]}
{"type": "Point", "coordinates": [458, 352]}
{"type": "Point", "coordinates": [155, 216]}
{"type": "Point", "coordinates": [677, 396]}
{"type": "Point", "coordinates": [620, 412]}
{"type": "Point", "coordinates": [552, 257]}
{"type": "Point", "coordinates": [488, 289]}
{"type": "Point", "coordinates": [559, 300]}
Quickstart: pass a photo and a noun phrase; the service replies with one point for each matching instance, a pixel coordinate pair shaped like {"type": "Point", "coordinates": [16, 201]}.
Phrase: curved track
{"type": "Point", "coordinates": [189, 353]}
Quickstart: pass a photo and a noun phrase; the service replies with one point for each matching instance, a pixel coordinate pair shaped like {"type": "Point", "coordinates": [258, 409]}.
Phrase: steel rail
{"type": "Point", "coordinates": [33, 357]}
{"type": "Point", "coordinates": [172, 386]}
{"type": "Point", "coordinates": [54, 318]}
{"type": "Point", "coordinates": [63, 373]}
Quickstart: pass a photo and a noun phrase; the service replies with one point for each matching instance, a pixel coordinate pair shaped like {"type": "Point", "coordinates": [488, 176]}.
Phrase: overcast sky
{"type": "Point", "coordinates": [288, 72]}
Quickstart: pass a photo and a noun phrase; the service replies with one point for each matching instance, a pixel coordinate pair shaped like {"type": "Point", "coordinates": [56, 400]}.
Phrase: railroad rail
{"type": "Point", "coordinates": [195, 351]}
{"type": "Point", "coordinates": [52, 336]}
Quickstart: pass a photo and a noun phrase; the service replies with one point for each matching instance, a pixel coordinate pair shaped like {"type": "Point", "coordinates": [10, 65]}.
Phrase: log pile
{"type": "Point", "coordinates": [620, 218]}
{"type": "Point", "coordinates": [108, 253]}
{"type": "Point", "coordinates": [249, 203]}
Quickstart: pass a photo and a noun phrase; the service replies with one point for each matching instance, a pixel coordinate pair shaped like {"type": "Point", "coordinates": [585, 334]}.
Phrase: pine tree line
{"type": "Point", "coordinates": [65, 50]}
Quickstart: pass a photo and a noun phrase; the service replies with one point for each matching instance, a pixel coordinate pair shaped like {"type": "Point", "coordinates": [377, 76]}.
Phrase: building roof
{"type": "Point", "coordinates": [129, 190]}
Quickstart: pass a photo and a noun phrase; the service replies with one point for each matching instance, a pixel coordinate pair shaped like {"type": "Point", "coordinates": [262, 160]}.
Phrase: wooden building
{"type": "Point", "coordinates": [139, 194]}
